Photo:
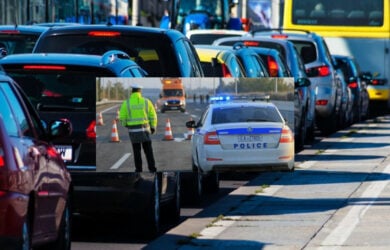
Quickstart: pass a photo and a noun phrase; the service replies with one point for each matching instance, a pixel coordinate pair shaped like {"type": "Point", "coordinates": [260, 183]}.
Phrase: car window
{"type": "Point", "coordinates": [13, 111]}
{"type": "Point", "coordinates": [16, 44]}
{"type": "Point", "coordinates": [6, 113]}
{"type": "Point", "coordinates": [307, 50]}
{"type": "Point", "coordinates": [154, 55]}
{"type": "Point", "coordinates": [194, 65]}
{"type": "Point", "coordinates": [51, 91]}
{"type": "Point", "coordinates": [251, 114]}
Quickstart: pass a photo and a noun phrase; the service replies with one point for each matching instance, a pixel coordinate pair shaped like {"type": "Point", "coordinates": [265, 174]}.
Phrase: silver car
{"type": "Point", "coordinates": [321, 71]}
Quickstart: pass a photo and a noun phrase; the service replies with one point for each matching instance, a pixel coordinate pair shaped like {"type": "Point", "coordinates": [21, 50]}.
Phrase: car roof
{"type": "Point", "coordinates": [25, 29]}
{"type": "Point", "coordinates": [87, 28]}
{"type": "Point", "coordinates": [262, 104]}
{"type": "Point", "coordinates": [104, 61]}
{"type": "Point", "coordinates": [206, 52]}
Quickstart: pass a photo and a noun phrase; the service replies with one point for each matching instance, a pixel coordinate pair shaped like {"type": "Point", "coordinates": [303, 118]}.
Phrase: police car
{"type": "Point", "coordinates": [241, 135]}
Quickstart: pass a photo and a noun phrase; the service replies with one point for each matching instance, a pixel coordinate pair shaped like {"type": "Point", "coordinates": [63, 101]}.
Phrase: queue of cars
{"type": "Point", "coordinates": [55, 81]}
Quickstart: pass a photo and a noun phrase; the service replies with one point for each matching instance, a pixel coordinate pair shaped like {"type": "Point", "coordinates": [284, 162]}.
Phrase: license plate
{"type": "Point", "coordinates": [174, 107]}
{"type": "Point", "coordinates": [65, 152]}
{"type": "Point", "coordinates": [249, 138]}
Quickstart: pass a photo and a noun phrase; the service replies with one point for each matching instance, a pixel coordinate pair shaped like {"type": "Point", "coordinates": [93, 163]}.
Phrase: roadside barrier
{"type": "Point", "coordinates": [190, 132]}
{"type": "Point", "coordinates": [114, 132]}
{"type": "Point", "coordinates": [168, 131]}
{"type": "Point", "coordinates": [100, 119]}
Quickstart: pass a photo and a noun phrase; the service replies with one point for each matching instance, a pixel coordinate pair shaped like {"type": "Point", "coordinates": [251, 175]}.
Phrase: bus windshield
{"type": "Point", "coordinates": [338, 12]}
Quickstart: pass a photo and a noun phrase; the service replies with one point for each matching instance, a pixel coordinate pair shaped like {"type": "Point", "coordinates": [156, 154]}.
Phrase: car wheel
{"type": "Point", "coordinates": [211, 182]}
{"type": "Point", "coordinates": [152, 216]}
{"type": "Point", "coordinates": [197, 185]}
{"type": "Point", "coordinates": [25, 242]}
{"type": "Point", "coordinates": [63, 241]}
{"type": "Point", "coordinates": [173, 209]}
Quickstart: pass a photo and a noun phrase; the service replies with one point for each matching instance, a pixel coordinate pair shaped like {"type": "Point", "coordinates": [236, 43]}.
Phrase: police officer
{"type": "Point", "coordinates": [139, 116]}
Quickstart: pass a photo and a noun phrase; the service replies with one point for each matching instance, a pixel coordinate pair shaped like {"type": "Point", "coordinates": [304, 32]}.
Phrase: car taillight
{"type": "Point", "coordinates": [280, 36]}
{"type": "Point", "coordinates": [91, 130]}
{"type": "Point", "coordinates": [286, 136]}
{"type": "Point", "coordinates": [226, 71]}
{"type": "Point", "coordinates": [2, 163]}
{"type": "Point", "coordinates": [104, 33]}
{"type": "Point", "coordinates": [273, 66]}
{"type": "Point", "coordinates": [353, 85]}
{"type": "Point", "coordinates": [319, 71]}
{"type": "Point", "coordinates": [321, 102]}
{"type": "Point", "coordinates": [251, 43]}
{"type": "Point", "coordinates": [378, 82]}
{"type": "Point", "coordinates": [211, 138]}
{"type": "Point", "coordinates": [52, 152]}
{"type": "Point", "coordinates": [44, 67]}
{"type": "Point", "coordinates": [10, 31]}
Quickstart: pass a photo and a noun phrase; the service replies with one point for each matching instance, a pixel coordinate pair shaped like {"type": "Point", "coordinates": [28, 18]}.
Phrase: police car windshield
{"type": "Point", "coordinates": [245, 114]}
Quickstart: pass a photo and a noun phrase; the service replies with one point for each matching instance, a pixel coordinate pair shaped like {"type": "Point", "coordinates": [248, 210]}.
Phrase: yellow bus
{"type": "Point", "coordinates": [358, 28]}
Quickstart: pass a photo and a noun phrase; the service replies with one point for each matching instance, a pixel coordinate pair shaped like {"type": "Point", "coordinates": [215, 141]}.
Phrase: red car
{"type": "Point", "coordinates": [34, 182]}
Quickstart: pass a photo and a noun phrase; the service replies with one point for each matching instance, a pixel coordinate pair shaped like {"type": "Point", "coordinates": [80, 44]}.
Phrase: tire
{"type": "Point", "coordinates": [173, 208]}
{"type": "Point", "coordinates": [63, 241]}
{"type": "Point", "coordinates": [211, 182]}
{"type": "Point", "coordinates": [25, 241]}
{"type": "Point", "coordinates": [151, 218]}
{"type": "Point", "coordinates": [197, 185]}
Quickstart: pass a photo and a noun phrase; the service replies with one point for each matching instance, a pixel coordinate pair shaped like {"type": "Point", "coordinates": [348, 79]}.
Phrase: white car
{"type": "Point", "coordinates": [242, 136]}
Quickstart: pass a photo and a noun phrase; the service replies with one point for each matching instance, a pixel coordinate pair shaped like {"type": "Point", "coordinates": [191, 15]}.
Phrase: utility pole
{"type": "Point", "coordinates": [135, 20]}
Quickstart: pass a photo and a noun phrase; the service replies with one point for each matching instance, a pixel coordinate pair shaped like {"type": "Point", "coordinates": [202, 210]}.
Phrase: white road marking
{"type": "Point", "coordinates": [120, 161]}
{"type": "Point", "coordinates": [344, 229]}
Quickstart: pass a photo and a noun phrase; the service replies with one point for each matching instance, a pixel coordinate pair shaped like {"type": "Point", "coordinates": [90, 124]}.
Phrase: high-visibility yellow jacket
{"type": "Point", "coordinates": [138, 110]}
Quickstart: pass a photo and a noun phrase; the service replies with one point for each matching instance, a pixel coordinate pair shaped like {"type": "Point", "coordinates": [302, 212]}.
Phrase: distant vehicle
{"type": "Point", "coordinates": [208, 36]}
{"type": "Point", "coordinates": [320, 68]}
{"type": "Point", "coordinates": [287, 63]}
{"type": "Point", "coordinates": [35, 186]}
{"type": "Point", "coordinates": [64, 86]}
{"type": "Point", "coordinates": [252, 62]}
{"type": "Point", "coordinates": [219, 62]}
{"type": "Point", "coordinates": [240, 136]}
{"type": "Point", "coordinates": [350, 28]}
{"type": "Point", "coordinates": [16, 39]}
{"type": "Point", "coordinates": [200, 14]}
{"type": "Point", "coordinates": [353, 75]}
{"type": "Point", "coordinates": [173, 95]}
{"type": "Point", "coordinates": [161, 53]}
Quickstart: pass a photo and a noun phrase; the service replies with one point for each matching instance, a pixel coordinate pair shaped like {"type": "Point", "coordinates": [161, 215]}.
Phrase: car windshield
{"type": "Point", "coordinates": [16, 44]}
{"type": "Point", "coordinates": [68, 91]}
{"type": "Point", "coordinates": [245, 114]}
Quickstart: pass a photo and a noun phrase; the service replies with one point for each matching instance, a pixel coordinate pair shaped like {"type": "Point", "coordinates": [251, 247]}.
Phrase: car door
{"type": "Point", "coordinates": [31, 156]}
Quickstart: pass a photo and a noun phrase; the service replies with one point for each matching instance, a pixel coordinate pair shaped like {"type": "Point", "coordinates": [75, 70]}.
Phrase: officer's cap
{"type": "Point", "coordinates": [135, 86]}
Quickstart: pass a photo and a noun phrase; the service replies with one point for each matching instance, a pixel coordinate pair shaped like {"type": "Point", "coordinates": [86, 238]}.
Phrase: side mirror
{"type": "Point", "coordinates": [190, 124]}
{"type": "Point", "coordinates": [302, 82]}
{"type": "Point", "coordinates": [60, 128]}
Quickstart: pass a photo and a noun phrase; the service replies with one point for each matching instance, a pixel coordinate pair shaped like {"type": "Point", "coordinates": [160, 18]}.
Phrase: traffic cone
{"type": "Point", "coordinates": [168, 132]}
{"type": "Point", "coordinates": [190, 132]}
{"type": "Point", "coordinates": [114, 132]}
{"type": "Point", "coordinates": [100, 119]}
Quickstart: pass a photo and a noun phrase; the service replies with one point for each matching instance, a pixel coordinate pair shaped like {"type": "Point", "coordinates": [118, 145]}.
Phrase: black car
{"type": "Point", "coordinates": [353, 76]}
{"type": "Point", "coordinates": [16, 39]}
{"type": "Point", "coordinates": [35, 186]}
{"type": "Point", "coordinates": [64, 86]}
{"type": "Point", "coordinates": [161, 53]}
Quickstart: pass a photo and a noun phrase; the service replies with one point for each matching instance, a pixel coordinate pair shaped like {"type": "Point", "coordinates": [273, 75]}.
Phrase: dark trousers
{"type": "Point", "coordinates": [148, 150]}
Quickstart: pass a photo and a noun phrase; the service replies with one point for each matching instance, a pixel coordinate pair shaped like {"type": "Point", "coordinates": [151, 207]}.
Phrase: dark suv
{"type": "Point", "coordinates": [64, 86]}
{"type": "Point", "coordinates": [159, 52]}
{"type": "Point", "coordinates": [35, 186]}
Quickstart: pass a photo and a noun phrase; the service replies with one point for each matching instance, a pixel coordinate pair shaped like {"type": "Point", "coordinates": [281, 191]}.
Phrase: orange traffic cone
{"type": "Point", "coordinates": [114, 132]}
{"type": "Point", "coordinates": [100, 119]}
{"type": "Point", "coordinates": [190, 132]}
{"type": "Point", "coordinates": [168, 132]}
